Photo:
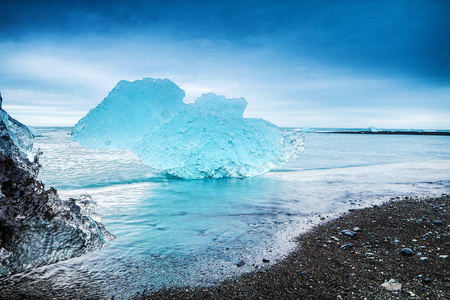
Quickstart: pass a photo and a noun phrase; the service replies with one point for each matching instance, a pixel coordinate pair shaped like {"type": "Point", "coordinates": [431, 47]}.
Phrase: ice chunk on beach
{"type": "Point", "coordinates": [37, 227]}
{"type": "Point", "coordinates": [207, 139]}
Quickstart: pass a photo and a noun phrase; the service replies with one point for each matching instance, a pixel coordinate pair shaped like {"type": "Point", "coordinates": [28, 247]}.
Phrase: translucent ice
{"type": "Point", "coordinates": [207, 139]}
{"type": "Point", "coordinates": [131, 110]}
{"type": "Point", "coordinates": [18, 133]}
{"type": "Point", "coordinates": [37, 227]}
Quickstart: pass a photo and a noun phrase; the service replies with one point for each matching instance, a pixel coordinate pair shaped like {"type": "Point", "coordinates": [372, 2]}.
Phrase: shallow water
{"type": "Point", "coordinates": [180, 232]}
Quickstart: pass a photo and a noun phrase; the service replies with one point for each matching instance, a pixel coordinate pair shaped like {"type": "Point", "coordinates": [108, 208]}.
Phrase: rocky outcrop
{"type": "Point", "coordinates": [37, 227]}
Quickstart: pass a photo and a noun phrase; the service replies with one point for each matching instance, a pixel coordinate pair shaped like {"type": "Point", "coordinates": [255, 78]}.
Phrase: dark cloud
{"type": "Point", "coordinates": [408, 37]}
{"type": "Point", "coordinates": [296, 62]}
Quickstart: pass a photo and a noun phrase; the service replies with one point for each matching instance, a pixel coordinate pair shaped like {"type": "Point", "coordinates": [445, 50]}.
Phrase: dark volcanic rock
{"type": "Point", "coordinates": [36, 226]}
{"type": "Point", "coordinates": [406, 251]}
{"type": "Point", "coordinates": [241, 263]}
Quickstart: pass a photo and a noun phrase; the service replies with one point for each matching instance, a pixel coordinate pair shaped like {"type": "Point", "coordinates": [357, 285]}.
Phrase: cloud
{"type": "Point", "coordinates": [406, 37]}
{"type": "Point", "coordinates": [295, 62]}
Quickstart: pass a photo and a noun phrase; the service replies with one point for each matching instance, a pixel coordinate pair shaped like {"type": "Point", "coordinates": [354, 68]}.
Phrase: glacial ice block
{"type": "Point", "coordinates": [37, 227]}
{"type": "Point", "coordinates": [207, 139]}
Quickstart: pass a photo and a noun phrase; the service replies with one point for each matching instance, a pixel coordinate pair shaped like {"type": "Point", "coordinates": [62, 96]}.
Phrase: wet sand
{"type": "Point", "coordinates": [328, 264]}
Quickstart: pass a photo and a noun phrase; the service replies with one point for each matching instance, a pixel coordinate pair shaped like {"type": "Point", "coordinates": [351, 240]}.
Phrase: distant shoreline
{"type": "Point", "coordinates": [441, 133]}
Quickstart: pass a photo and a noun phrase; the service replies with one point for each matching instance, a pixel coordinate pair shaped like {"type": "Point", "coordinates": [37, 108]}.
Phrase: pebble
{"type": "Point", "coordinates": [348, 233]}
{"type": "Point", "coordinates": [240, 263]}
{"type": "Point", "coordinates": [265, 261]}
{"type": "Point", "coordinates": [437, 222]}
{"type": "Point", "coordinates": [356, 229]}
{"type": "Point", "coordinates": [346, 246]}
{"type": "Point", "coordinates": [406, 251]}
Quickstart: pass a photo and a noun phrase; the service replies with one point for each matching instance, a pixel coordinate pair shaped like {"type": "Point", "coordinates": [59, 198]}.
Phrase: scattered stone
{"type": "Point", "coordinates": [423, 258]}
{"type": "Point", "coordinates": [265, 261]}
{"type": "Point", "coordinates": [406, 251]}
{"type": "Point", "coordinates": [356, 229]}
{"type": "Point", "coordinates": [437, 222]}
{"type": "Point", "coordinates": [240, 263]}
{"type": "Point", "coordinates": [392, 285]}
{"type": "Point", "coordinates": [348, 233]}
{"type": "Point", "coordinates": [346, 246]}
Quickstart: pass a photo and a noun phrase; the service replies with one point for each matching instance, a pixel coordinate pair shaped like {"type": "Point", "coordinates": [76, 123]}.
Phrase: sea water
{"type": "Point", "coordinates": [174, 232]}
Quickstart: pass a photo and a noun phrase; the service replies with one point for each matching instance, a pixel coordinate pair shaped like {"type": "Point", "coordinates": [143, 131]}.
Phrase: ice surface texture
{"type": "Point", "coordinates": [130, 111]}
{"type": "Point", "coordinates": [36, 226]}
{"type": "Point", "coordinates": [207, 139]}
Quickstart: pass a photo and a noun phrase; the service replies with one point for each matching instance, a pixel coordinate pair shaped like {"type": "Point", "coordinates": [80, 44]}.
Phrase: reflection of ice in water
{"type": "Point", "coordinates": [172, 231]}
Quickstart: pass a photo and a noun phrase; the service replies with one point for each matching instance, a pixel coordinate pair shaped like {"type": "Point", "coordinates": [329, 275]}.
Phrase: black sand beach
{"type": "Point", "coordinates": [325, 266]}
{"type": "Point", "coordinates": [328, 264]}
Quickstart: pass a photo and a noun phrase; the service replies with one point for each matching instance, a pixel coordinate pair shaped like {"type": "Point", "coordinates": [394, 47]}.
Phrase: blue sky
{"type": "Point", "coordinates": [315, 63]}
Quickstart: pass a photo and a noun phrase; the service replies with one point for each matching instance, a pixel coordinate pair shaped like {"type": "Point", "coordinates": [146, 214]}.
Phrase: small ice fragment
{"type": "Point", "coordinates": [392, 285]}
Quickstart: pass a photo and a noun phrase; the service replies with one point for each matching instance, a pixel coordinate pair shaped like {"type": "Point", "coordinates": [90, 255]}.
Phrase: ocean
{"type": "Point", "coordinates": [174, 232]}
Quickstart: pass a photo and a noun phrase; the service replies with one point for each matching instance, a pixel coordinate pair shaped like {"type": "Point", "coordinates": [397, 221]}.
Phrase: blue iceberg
{"type": "Point", "coordinates": [207, 139]}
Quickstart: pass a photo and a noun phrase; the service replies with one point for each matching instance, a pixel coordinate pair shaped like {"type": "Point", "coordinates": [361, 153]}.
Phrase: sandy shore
{"type": "Point", "coordinates": [330, 264]}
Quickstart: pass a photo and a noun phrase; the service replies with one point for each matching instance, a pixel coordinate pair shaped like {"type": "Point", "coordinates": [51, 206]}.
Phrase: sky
{"type": "Point", "coordinates": [299, 63]}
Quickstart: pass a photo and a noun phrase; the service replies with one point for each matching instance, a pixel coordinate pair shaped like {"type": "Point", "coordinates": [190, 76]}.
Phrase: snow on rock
{"type": "Point", "coordinates": [207, 139]}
